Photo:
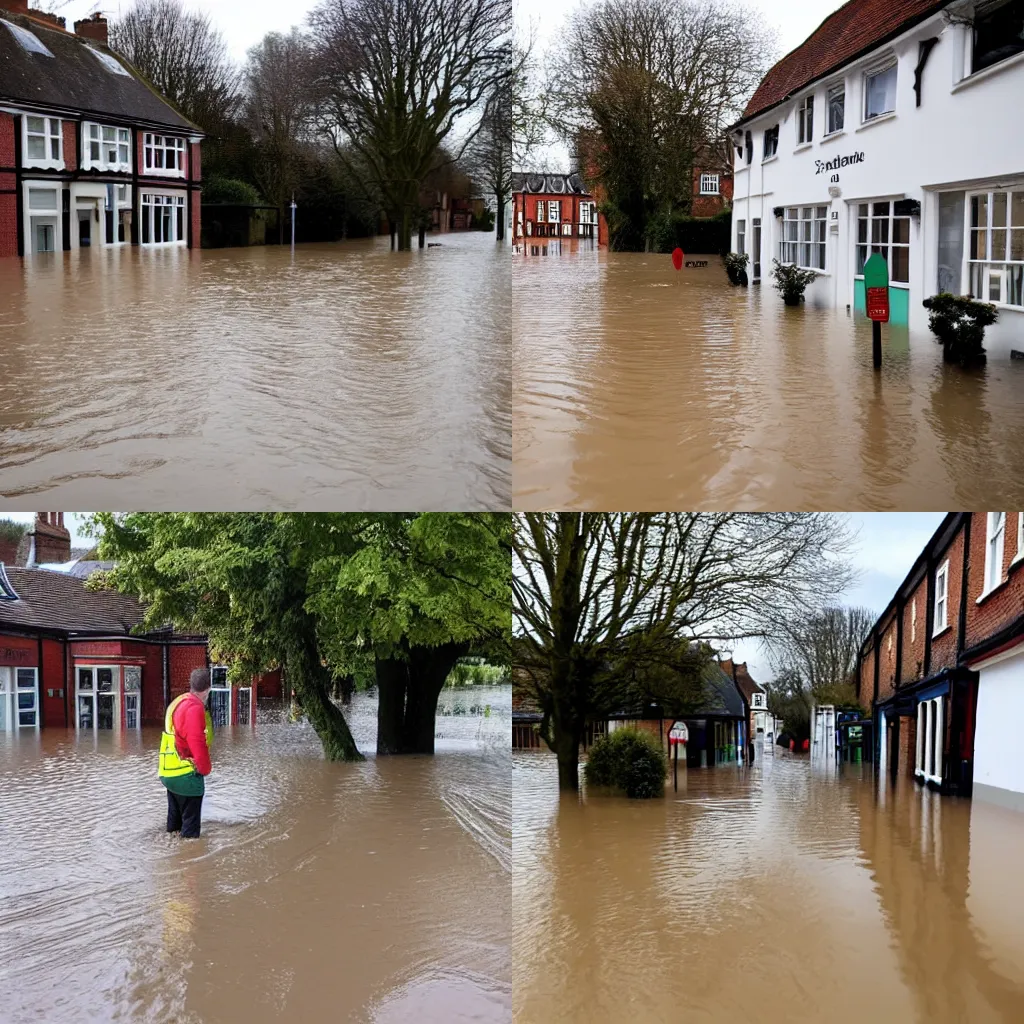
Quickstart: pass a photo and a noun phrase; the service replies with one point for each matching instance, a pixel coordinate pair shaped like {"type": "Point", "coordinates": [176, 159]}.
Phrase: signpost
{"type": "Point", "coordinates": [876, 285]}
{"type": "Point", "coordinates": [677, 737]}
{"type": "Point", "coordinates": [677, 259]}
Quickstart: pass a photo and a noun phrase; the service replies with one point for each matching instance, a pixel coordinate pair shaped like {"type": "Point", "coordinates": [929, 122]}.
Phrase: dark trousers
{"type": "Point", "coordinates": [183, 814]}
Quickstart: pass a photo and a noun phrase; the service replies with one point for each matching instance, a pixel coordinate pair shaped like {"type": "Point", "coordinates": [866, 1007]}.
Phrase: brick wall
{"type": "Point", "coordinates": [867, 679]}
{"type": "Point", "coordinates": [70, 129]}
{"type": "Point", "coordinates": [268, 685]}
{"type": "Point", "coordinates": [1004, 604]}
{"type": "Point", "coordinates": [195, 166]}
{"type": "Point", "coordinates": [912, 667]}
{"type": "Point", "coordinates": [8, 183]}
{"type": "Point", "coordinates": [568, 208]}
{"type": "Point", "coordinates": [908, 745]}
{"type": "Point", "coordinates": [887, 660]}
{"type": "Point", "coordinates": [709, 206]}
{"type": "Point", "coordinates": [55, 708]}
{"type": "Point", "coordinates": [30, 658]}
{"type": "Point", "coordinates": [944, 646]}
{"type": "Point", "coordinates": [6, 140]}
{"type": "Point", "coordinates": [197, 215]}
{"type": "Point", "coordinates": [184, 659]}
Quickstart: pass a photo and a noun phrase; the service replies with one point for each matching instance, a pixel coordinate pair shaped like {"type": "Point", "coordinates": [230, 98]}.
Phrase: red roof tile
{"type": "Point", "coordinates": [856, 28]}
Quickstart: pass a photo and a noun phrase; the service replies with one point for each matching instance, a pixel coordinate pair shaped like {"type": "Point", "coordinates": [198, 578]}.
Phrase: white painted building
{"type": "Point", "coordinates": [896, 129]}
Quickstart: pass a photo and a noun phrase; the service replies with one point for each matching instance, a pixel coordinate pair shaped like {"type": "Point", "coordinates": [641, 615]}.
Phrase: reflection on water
{"type": "Point", "coordinates": [768, 894]}
{"type": "Point", "coordinates": [318, 891]}
{"type": "Point", "coordinates": [244, 378]}
{"type": "Point", "coordinates": [642, 388]}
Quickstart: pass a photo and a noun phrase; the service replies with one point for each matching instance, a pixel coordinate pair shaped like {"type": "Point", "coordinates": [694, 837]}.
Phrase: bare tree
{"type": "Point", "coordinates": [394, 76]}
{"type": "Point", "coordinates": [592, 590]}
{"type": "Point", "coordinates": [821, 649]}
{"type": "Point", "coordinates": [184, 56]}
{"type": "Point", "coordinates": [529, 101]}
{"type": "Point", "coordinates": [640, 86]}
{"type": "Point", "coordinates": [277, 112]}
{"type": "Point", "coordinates": [489, 157]}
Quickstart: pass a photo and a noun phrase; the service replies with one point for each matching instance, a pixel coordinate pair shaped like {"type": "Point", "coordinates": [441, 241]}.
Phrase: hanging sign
{"type": "Point", "coordinates": [876, 284]}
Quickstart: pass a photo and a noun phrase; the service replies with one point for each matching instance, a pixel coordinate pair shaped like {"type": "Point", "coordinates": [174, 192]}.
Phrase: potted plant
{"type": "Point", "coordinates": [791, 281]}
{"type": "Point", "coordinates": [736, 267]}
{"type": "Point", "coordinates": [958, 323]}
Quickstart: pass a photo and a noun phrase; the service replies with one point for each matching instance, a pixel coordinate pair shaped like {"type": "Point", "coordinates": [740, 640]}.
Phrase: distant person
{"type": "Point", "coordinates": [185, 755]}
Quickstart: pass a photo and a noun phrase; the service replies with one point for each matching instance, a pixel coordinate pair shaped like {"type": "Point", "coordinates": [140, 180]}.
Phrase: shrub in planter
{"type": "Point", "coordinates": [959, 323]}
{"type": "Point", "coordinates": [736, 267]}
{"type": "Point", "coordinates": [791, 281]}
{"type": "Point", "coordinates": [630, 761]}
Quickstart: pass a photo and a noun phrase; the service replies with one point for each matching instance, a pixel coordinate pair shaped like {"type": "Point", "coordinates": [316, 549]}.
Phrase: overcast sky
{"type": "Point", "coordinates": [887, 544]}
{"type": "Point", "coordinates": [791, 20]}
{"type": "Point", "coordinates": [243, 23]}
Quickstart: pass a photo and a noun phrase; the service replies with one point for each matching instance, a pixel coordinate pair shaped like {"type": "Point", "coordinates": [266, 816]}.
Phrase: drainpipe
{"type": "Point", "coordinates": [962, 623]}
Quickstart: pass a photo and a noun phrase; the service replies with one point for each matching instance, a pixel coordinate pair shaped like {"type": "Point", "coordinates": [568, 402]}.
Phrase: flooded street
{"type": "Point", "coordinates": [771, 893]}
{"type": "Point", "coordinates": [375, 892]}
{"type": "Point", "coordinates": [246, 379]}
{"type": "Point", "coordinates": [637, 387]}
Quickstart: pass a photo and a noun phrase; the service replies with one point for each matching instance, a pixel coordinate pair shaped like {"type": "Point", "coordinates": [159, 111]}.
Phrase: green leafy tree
{"type": "Point", "coordinates": [324, 595]}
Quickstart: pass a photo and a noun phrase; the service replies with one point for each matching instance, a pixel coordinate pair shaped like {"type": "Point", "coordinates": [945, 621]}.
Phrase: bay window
{"type": "Point", "coordinates": [996, 262]}
{"type": "Point", "coordinates": [105, 148]}
{"type": "Point", "coordinates": [162, 219]}
{"type": "Point", "coordinates": [43, 143]}
{"type": "Point", "coordinates": [880, 90]}
{"type": "Point", "coordinates": [881, 230]}
{"type": "Point", "coordinates": [164, 155]}
{"type": "Point", "coordinates": [804, 230]}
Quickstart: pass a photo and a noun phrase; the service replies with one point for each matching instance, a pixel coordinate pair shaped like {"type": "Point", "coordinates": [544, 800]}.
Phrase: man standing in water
{"type": "Point", "coordinates": [185, 755]}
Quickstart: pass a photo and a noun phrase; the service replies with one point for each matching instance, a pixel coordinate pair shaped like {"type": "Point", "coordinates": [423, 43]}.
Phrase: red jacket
{"type": "Point", "coordinates": [189, 721]}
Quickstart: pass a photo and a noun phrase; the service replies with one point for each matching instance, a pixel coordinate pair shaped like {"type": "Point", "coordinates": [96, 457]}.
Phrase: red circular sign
{"type": "Point", "coordinates": [677, 259]}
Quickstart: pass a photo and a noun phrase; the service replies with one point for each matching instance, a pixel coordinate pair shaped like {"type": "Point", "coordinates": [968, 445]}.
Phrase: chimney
{"type": "Point", "coordinates": [92, 28]}
{"type": "Point", "coordinates": [51, 541]}
{"type": "Point", "coordinates": [14, 6]}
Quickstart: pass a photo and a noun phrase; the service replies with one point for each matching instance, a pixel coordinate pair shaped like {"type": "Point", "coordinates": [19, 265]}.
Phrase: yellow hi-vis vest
{"type": "Point", "coordinates": [172, 766]}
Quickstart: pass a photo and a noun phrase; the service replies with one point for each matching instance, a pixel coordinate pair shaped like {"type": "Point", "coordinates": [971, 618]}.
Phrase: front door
{"type": "Point", "coordinates": [44, 234]}
{"type": "Point", "coordinates": [96, 698]}
{"type": "Point", "coordinates": [84, 228]}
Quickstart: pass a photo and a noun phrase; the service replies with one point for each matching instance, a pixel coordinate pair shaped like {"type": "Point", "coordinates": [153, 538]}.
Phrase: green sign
{"type": "Point", "coordinates": [876, 272]}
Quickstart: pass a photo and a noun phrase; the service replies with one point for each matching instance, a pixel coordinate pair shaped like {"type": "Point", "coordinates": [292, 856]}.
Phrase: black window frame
{"type": "Point", "coordinates": [773, 135]}
{"type": "Point", "coordinates": [997, 20]}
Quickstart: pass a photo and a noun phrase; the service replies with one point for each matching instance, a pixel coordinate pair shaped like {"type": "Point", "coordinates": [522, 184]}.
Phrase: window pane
{"type": "Point", "coordinates": [999, 209]}
{"type": "Point", "coordinates": [35, 124]}
{"type": "Point", "coordinates": [1017, 210]}
{"type": "Point", "coordinates": [55, 149]}
{"type": "Point", "coordinates": [1017, 245]}
{"type": "Point", "coordinates": [901, 230]}
{"type": "Point", "coordinates": [26, 678]}
{"type": "Point", "coordinates": [978, 245]}
{"type": "Point", "coordinates": [1015, 286]}
{"type": "Point", "coordinates": [862, 257]}
{"type": "Point", "coordinates": [979, 211]}
{"type": "Point", "coordinates": [881, 209]}
{"type": "Point", "coordinates": [26, 699]}
{"type": "Point", "coordinates": [108, 135]}
{"type": "Point", "coordinates": [836, 108]}
{"type": "Point", "coordinates": [36, 148]}
{"type": "Point", "coordinates": [901, 264]}
{"type": "Point", "coordinates": [881, 92]}
{"type": "Point", "coordinates": [104, 679]}
{"type": "Point", "coordinates": [880, 230]}
{"type": "Point", "coordinates": [999, 244]}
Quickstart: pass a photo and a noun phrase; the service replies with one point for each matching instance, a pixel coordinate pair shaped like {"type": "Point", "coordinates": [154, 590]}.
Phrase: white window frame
{"type": "Point", "coordinates": [163, 144]}
{"type": "Point", "coordinates": [54, 214]}
{"type": "Point", "coordinates": [1020, 537]}
{"type": "Point", "coordinates": [148, 210]}
{"type": "Point", "coordinates": [805, 121]}
{"type": "Point", "coordinates": [11, 689]}
{"type": "Point", "coordinates": [741, 236]}
{"type": "Point", "coordinates": [834, 89]}
{"type": "Point", "coordinates": [541, 208]}
{"type": "Point", "coordinates": [53, 130]}
{"type": "Point", "coordinates": [709, 185]}
{"type": "Point", "coordinates": [995, 549]}
{"type": "Point", "coordinates": [883, 248]}
{"type": "Point", "coordinates": [116, 692]}
{"type": "Point", "coordinates": [133, 694]}
{"type": "Point", "coordinates": [913, 620]}
{"type": "Point", "coordinates": [990, 268]}
{"type": "Point", "coordinates": [588, 213]}
{"type": "Point", "coordinates": [941, 599]}
{"type": "Point", "coordinates": [931, 727]}
{"type": "Point", "coordinates": [816, 242]}
{"type": "Point", "coordinates": [873, 72]}
{"type": "Point", "coordinates": [122, 139]}
{"type": "Point", "coordinates": [220, 683]}
{"type": "Point", "coordinates": [554, 211]}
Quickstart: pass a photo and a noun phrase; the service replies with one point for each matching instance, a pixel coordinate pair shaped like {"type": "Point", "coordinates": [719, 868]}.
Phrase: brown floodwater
{"type": "Point", "coordinates": [637, 387]}
{"type": "Point", "coordinates": [375, 892]}
{"type": "Point", "coordinates": [774, 893]}
{"type": "Point", "coordinates": [246, 378]}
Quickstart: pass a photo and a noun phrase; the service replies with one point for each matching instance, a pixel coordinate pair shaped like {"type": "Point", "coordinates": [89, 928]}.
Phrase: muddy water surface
{"type": "Point", "coordinates": [318, 892]}
{"type": "Point", "coordinates": [773, 893]}
{"type": "Point", "coordinates": [249, 379]}
{"type": "Point", "coordinates": [637, 387]}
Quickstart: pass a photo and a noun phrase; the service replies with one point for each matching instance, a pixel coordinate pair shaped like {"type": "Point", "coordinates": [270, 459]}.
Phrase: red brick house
{"type": "Point", "coordinates": [712, 181]}
{"type": "Point", "coordinates": [90, 154]}
{"type": "Point", "coordinates": [554, 206]}
{"type": "Point", "coordinates": [943, 667]}
{"type": "Point", "coordinates": [71, 657]}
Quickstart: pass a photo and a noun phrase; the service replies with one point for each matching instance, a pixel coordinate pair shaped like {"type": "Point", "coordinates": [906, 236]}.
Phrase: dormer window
{"type": "Point", "coordinates": [43, 144]}
{"type": "Point", "coordinates": [7, 592]}
{"type": "Point", "coordinates": [27, 40]}
{"type": "Point", "coordinates": [111, 63]}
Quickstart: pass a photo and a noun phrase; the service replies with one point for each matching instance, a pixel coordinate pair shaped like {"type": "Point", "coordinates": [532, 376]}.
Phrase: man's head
{"type": "Point", "coordinates": [199, 683]}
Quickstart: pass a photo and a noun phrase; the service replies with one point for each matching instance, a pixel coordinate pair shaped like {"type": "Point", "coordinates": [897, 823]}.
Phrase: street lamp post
{"type": "Point", "coordinates": [293, 222]}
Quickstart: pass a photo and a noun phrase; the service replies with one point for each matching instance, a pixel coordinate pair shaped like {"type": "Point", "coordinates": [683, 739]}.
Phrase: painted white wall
{"type": "Point", "coordinates": [997, 749]}
{"type": "Point", "coordinates": [960, 137]}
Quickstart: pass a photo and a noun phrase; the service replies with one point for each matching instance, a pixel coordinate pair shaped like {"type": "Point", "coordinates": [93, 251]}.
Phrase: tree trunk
{"type": "Point", "coordinates": [405, 229]}
{"type": "Point", "coordinates": [423, 236]}
{"type": "Point", "coordinates": [312, 686]}
{"type": "Point", "coordinates": [501, 218]}
{"type": "Point", "coordinates": [567, 750]}
{"type": "Point", "coordinates": [392, 683]}
{"type": "Point", "coordinates": [429, 667]}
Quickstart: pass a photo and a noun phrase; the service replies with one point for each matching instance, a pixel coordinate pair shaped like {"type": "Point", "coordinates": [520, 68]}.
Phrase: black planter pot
{"type": "Point", "coordinates": [743, 278]}
{"type": "Point", "coordinates": [792, 300]}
